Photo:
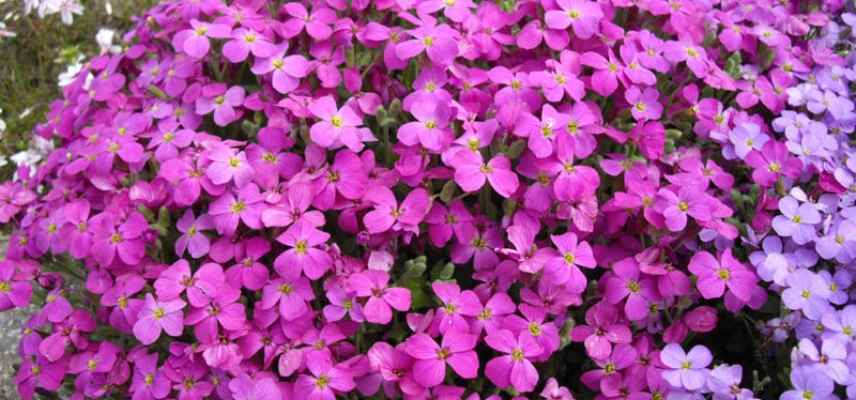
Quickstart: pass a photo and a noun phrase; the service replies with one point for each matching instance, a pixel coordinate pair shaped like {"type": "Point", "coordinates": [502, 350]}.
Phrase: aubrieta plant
{"type": "Point", "coordinates": [447, 199]}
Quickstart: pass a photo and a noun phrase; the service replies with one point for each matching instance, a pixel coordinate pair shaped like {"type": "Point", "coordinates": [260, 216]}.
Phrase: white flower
{"type": "Point", "coordinates": [28, 157]}
{"type": "Point", "coordinates": [104, 37]}
{"type": "Point", "coordinates": [66, 8]}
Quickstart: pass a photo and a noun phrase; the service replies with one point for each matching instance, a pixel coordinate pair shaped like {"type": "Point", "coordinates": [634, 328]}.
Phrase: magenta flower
{"type": "Point", "coordinates": [644, 105]}
{"type": "Point", "coordinates": [455, 10]}
{"type": "Point", "coordinates": [40, 372]}
{"type": "Point", "coordinates": [695, 57]}
{"type": "Point", "coordinates": [245, 388]}
{"type": "Point", "coordinates": [227, 210]}
{"type": "Point", "coordinates": [625, 283]}
{"type": "Point", "coordinates": [431, 358]}
{"type": "Point", "coordinates": [248, 270]}
{"type": "Point", "coordinates": [125, 240]}
{"type": "Point", "coordinates": [223, 105]}
{"type": "Point", "coordinates": [291, 292]}
{"type": "Point", "coordinates": [148, 382]}
{"type": "Point", "coordinates": [325, 380]}
{"type": "Point", "coordinates": [387, 214]}
{"type": "Point", "coordinates": [201, 286]}
{"type": "Point", "coordinates": [471, 172]}
{"type": "Point", "coordinates": [13, 292]}
{"type": "Point", "coordinates": [244, 41]}
{"type": "Point", "coordinates": [159, 316]}
{"type": "Point", "coordinates": [715, 276]}
{"type": "Point", "coordinates": [457, 306]}
{"type": "Point", "coordinates": [604, 80]}
{"type": "Point", "coordinates": [515, 368]}
{"type": "Point", "coordinates": [192, 240]}
{"type": "Point", "coordinates": [286, 71]}
{"type": "Point", "coordinates": [195, 41]}
{"type": "Point", "coordinates": [295, 208]}
{"type": "Point", "coordinates": [317, 24]}
{"type": "Point", "coordinates": [373, 284]}
{"type": "Point", "coordinates": [437, 41]}
{"type": "Point", "coordinates": [582, 15]}
{"type": "Point", "coordinates": [337, 126]}
{"type": "Point", "coordinates": [676, 207]}
{"type": "Point", "coordinates": [772, 162]}
{"type": "Point", "coordinates": [303, 254]}
{"type": "Point", "coordinates": [430, 127]}
{"type": "Point", "coordinates": [494, 313]}
{"type": "Point", "coordinates": [572, 253]}
{"type": "Point", "coordinates": [223, 311]}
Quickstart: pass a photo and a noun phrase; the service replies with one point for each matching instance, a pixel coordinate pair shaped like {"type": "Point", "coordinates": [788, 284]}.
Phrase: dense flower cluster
{"type": "Point", "coordinates": [444, 199]}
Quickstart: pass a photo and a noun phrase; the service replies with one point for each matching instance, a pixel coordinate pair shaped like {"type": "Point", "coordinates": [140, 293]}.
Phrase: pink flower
{"type": "Point", "coordinates": [604, 80]}
{"type": "Point", "coordinates": [695, 56]}
{"type": "Point", "coordinates": [387, 214]}
{"type": "Point", "coordinates": [195, 41]}
{"type": "Point", "coordinates": [373, 284]}
{"type": "Point", "coordinates": [200, 287]}
{"type": "Point", "coordinates": [287, 71]}
{"type": "Point", "coordinates": [715, 276]}
{"type": "Point", "coordinates": [772, 162]}
{"type": "Point", "coordinates": [471, 172]}
{"type": "Point", "coordinates": [227, 210]}
{"type": "Point", "coordinates": [229, 165]}
{"type": "Point", "coordinates": [303, 254]}
{"type": "Point", "coordinates": [223, 105]}
{"type": "Point", "coordinates": [249, 271]}
{"type": "Point", "coordinates": [644, 105]}
{"type": "Point", "coordinates": [563, 267]}
{"type": "Point", "coordinates": [13, 292]}
{"type": "Point", "coordinates": [457, 306]}
{"type": "Point", "coordinates": [192, 239]}
{"type": "Point", "coordinates": [244, 41]}
{"type": "Point", "coordinates": [431, 358]}
{"type": "Point", "coordinates": [125, 240]}
{"type": "Point", "coordinates": [438, 41]}
{"type": "Point", "coordinates": [325, 380]}
{"type": "Point", "coordinates": [291, 292]}
{"type": "Point", "coordinates": [337, 126]}
{"type": "Point", "coordinates": [515, 368]}
{"type": "Point", "coordinates": [582, 15]}
{"type": "Point", "coordinates": [430, 127]}
{"type": "Point", "coordinates": [159, 316]}
{"type": "Point", "coordinates": [624, 282]}
{"type": "Point", "coordinates": [245, 388]}
{"type": "Point", "coordinates": [317, 24]}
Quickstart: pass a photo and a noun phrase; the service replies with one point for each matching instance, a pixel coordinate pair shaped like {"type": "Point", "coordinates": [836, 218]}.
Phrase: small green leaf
{"type": "Point", "coordinates": [442, 271]}
{"type": "Point", "coordinates": [448, 191]}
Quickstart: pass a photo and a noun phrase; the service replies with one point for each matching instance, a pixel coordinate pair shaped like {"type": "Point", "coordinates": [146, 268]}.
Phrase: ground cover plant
{"type": "Point", "coordinates": [448, 199]}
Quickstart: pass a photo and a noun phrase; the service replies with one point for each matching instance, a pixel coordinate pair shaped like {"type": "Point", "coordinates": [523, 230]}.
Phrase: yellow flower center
{"type": "Point", "coordinates": [336, 121]}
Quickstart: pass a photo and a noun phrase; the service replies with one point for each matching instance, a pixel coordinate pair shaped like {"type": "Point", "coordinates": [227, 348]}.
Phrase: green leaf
{"type": "Point", "coordinates": [733, 64]}
{"type": "Point", "coordinates": [442, 272]}
{"type": "Point", "coordinates": [448, 191]}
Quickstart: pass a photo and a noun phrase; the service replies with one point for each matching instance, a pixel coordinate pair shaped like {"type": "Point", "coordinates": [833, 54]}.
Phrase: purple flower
{"type": "Point", "coordinates": [148, 381]}
{"type": "Point", "coordinates": [245, 41]}
{"type": "Point", "coordinates": [471, 172]}
{"type": "Point", "coordinates": [437, 41]}
{"type": "Point", "coordinates": [304, 254]}
{"type": "Point", "coordinates": [747, 137]}
{"type": "Point", "coordinates": [644, 105]}
{"type": "Point", "coordinates": [431, 358]}
{"type": "Point", "coordinates": [515, 368]}
{"type": "Point", "coordinates": [227, 210]}
{"type": "Point", "coordinates": [192, 240]}
{"type": "Point", "coordinates": [159, 316]}
{"type": "Point", "coordinates": [223, 105]}
{"type": "Point", "coordinates": [583, 16]}
{"type": "Point", "coordinates": [195, 41]}
{"type": "Point", "coordinates": [388, 214]}
{"type": "Point", "coordinates": [325, 380]}
{"type": "Point", "coordinates": [245, 388]}
{"type": "Point", "coordinates": [797, 220]}
{"type": "Point", "coordinates": [687, 370]}
{"type": "Point", "coordinates": [125, 240]}
{"type": "Point", "coordinates": [809, 385]}
{"type": "Point", "coordinates": [286, 70]}
{"type": "Point", "coordinates": [373, 284]}
{"type": "Point", "coordinates": [13, 292]}
{"type": "Point", "coordinates": [337, 126]}
{"type": "Point", "coordinates": [807, 292]}
{"type": "Point", "coordinates": [430, 127]}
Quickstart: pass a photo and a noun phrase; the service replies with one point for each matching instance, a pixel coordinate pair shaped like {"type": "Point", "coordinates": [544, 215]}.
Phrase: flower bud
{"type": "Point", "coordinates": [701, 319]}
